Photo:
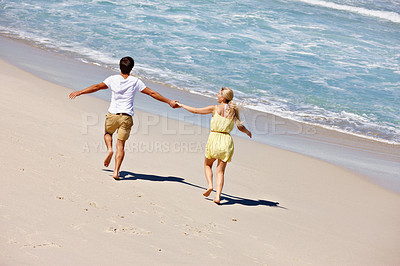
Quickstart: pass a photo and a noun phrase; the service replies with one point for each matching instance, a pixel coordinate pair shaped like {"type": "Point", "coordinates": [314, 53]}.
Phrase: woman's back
{"type": "Point", "coordinates": [221, 124]}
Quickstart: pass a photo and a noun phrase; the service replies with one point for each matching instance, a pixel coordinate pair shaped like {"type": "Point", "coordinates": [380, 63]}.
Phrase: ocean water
{"type": "Point", "coordinates": [330, 63]}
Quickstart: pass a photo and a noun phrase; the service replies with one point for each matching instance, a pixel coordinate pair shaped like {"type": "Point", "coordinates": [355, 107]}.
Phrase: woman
{"type": "Point", "coordinates": [220, 144]}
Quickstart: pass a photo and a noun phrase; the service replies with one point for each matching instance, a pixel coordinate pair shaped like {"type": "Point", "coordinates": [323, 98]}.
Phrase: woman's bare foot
{"type": "Point", "coordinates": [116, 176]}
{"type": "Point", "coordinates": [208, 192]}
{"type": "Point", "coordinates": [108, 158]}
{"type": "Point", "coordinates": [217, 201]}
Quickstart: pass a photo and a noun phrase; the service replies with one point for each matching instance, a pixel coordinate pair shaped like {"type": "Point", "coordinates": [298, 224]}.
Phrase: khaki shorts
{"type": "Point", "coordinates": [121, 122]}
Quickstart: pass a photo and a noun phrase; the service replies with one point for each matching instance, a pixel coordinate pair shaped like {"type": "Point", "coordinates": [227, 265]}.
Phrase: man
{"type": "Point", "coordinates": [123, 89]}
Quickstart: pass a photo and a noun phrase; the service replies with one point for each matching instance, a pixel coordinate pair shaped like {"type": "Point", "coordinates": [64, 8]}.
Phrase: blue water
{"type": "Point", "coordinates": [331, 63]}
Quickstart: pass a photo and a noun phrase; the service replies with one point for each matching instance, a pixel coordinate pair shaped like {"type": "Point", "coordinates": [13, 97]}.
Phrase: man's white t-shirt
{"type": "Point", "coordinates": [123, 93]}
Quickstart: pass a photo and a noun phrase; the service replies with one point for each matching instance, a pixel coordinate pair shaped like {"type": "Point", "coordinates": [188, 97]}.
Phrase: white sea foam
{"type": "Point", "coordinates": [386, 15]}
{"type": "Point", "coordinates": [304, 53]}
{"type": "Point", "coordinates": [343, 122]}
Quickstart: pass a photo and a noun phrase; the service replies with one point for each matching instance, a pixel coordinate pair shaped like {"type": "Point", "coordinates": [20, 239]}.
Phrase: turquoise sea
{"type": "Point", "coordinates": [330, 63]}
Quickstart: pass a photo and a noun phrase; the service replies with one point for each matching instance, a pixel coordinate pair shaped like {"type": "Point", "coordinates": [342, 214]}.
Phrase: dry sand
{"type": "Point", "coordinates": [60, 206]}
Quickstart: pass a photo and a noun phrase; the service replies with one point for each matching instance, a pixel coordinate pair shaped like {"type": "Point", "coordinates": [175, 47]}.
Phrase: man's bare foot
{"type": "Point", "coordinates": [217, 201]}
{"type": "Point", "coordinates": [108, 158]}
{"type": "Point", "coordinates": [208, 192]}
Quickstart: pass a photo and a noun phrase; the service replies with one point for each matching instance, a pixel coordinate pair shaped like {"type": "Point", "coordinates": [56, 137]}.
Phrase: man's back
{"type": "Point", "coordinates": [123, 93]}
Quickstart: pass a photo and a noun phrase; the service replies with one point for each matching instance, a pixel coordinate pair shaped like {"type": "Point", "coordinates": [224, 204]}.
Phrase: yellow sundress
{"type": "Point", "coordinates": [220, 143]}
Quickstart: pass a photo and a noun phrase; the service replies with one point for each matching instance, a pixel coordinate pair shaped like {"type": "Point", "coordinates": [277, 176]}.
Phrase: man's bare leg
{"type": "Point", "coordinates": [108, 141]}
{"type": "Point", "coordinates": [220, 180]}
{"type": "Point", "coordinates": [119, 157]}
{"type": "Point", "coordinates": [209, 175]}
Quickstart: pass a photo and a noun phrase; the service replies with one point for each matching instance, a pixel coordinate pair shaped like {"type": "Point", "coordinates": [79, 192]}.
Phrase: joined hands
{"type": "Point", "coordinates": [175, 104]}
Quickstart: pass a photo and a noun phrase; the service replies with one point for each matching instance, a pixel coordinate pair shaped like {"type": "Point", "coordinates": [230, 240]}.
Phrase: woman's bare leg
{"type": "Point", "coordinates": [208, 163]}
{"type": "Point", "coordinates": [220, 180]}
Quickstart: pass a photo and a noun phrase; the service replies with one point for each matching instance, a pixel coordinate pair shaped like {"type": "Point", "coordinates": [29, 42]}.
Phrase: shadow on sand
{"type": "Point", "coordinates": [226, 199]}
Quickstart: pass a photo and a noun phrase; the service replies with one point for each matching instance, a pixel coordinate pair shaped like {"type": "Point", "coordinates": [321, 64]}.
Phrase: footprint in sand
{"type": "Point", "coordinates": [129, 230]}
{"type": "Point", "coordinates": [93, 204]}
{"type": "Point", "coordinates": [78, 226]}
{"type": "Point", "coordinates": [48, 244]}
{"type": "Point", "coordinates": [204, 231]}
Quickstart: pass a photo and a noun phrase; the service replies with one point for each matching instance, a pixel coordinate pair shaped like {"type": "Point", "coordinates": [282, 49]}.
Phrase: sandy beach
{"type": "Point", "coordinates": [60, 206]}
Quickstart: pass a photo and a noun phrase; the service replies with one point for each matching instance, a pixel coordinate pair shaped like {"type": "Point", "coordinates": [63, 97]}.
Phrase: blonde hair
{"type": "Point", "coordinates": [233, 108]}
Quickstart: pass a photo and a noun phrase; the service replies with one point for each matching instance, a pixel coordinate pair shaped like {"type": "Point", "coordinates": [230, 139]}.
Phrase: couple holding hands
{"type": "Point", "coordinates": [119, 118]}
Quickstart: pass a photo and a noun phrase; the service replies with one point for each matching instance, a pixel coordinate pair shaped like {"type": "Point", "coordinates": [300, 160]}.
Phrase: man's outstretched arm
{"type": "Point", "coordinates": [159, 97]}
{"type": "Point", "coordinates": [91, 89]}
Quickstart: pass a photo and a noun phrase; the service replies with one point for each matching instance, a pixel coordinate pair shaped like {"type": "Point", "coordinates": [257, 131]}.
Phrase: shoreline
{"type": "Point", "coordinates": [109, 69]}
{"type": "Point", "coordinates": [254, 107]}
{"type": "Point", "coordinates": [379, 162]}
{"type": "Point", "coordinates": [57, 199]}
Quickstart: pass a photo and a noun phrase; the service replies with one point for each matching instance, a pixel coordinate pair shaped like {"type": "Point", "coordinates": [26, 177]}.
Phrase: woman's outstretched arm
{"type": "Point", "coordinates": [243, 129]}
{"type": "Point", "coordinates": [203, 110]}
